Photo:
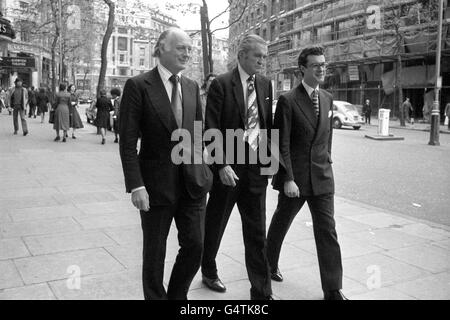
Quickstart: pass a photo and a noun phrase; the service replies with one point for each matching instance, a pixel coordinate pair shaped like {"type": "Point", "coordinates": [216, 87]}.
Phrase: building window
{"type": "Point", "coordinates": [142, 62]}
{"type": "Point", "coordinates": [122, 30]}
{"type": "Point", "coordinates": [122, 44]}
{"type": "Point", "coordinates": [122, 71]}
{"type": "Point", "coordinates": [121, 58]}
{"type": "Point", "coordinates": [273, 9]}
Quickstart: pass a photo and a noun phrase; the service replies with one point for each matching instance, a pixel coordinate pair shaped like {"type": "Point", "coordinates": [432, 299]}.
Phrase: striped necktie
{"type": "Point", "coordinates": [315, 101]}
{"type": "Point", "coordinates": [252, 132]}
{"type": "Point", "coordinates": [175, 103]}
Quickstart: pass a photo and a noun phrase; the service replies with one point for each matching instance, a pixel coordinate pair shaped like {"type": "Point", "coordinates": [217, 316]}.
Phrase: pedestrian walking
{"type": "Point", "coordinates": [406, 108]}
{"type": "Point", "coordinates": [447, 115]}
{"type": "Point", "coordinates": [18, 101]}
{"type": "Point", "coordinates": [62, 117]}
{"type": "Point", "coordinates": [115, 94]}
{"type": "Point", "coordinates": [240, 100]}
{"type": "Point", "coordinates": [305, 123]}
{"type": "Point", "coordinates": [154, 105]}
{"type": "Point", "coordinates": [32, 102]}
{"type": "Point", "coordinates": [74, 116]}
{"type": "Point", "coordinates": [367, 111]}
{"type": "Point", "coordinates": [43, 102]}
{"type": "Point", "coordinates": [104, 107]}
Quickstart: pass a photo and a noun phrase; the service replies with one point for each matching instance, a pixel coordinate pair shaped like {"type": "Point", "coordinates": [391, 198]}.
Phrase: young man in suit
{"type": "Point", "coordinates": [240, 100]}
{"type": "Point", "coordinates": [304, 118]}
{"type": "Point", "coordinates": [154, 105]}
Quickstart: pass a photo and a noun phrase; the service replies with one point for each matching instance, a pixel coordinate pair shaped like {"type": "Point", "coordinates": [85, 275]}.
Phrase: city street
{"type": "Point", "coordinates": [69, 231]}
{"type": "Point", "coordinates": [395, 175]}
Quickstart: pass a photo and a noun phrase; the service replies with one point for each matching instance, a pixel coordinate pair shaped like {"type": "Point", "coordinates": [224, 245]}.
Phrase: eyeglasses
{"type": "Point", "coordinates": [319, 65]}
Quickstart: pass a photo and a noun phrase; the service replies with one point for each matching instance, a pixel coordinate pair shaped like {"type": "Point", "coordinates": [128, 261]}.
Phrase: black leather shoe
{"type": "Point", "coordinates": [25, 133]}
{"type": "Point", "coordinates": [276, 275]}
{"type": "Point", "coordinates": [262, 298]}
{"type": "Point", "coordinates": [334, 295]}
{"type": "Point", "coordinates": [214, 284]}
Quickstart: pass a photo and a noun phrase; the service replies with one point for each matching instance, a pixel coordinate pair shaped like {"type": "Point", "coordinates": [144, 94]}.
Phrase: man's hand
{"type": "Point", "coordinates": [291, 189]}
{"type": "Point", "coordinates": [141, 200]}
{"type": "Point", "coordinates": [228, 177]}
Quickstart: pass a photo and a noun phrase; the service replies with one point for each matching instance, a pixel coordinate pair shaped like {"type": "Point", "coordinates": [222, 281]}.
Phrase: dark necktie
{"type": "Point", "coordinates": [176, 101]}
{"type": "Point", "coordinates": [315, 101]}
{"type": "Point", "coordinates": [252, 115]}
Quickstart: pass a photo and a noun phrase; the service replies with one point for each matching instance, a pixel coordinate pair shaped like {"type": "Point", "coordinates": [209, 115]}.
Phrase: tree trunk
{"type": "Point", "coordinates": [400, 91]}
{"type": "Point", "coordinates": [54, 44]}
{"type": "Point", "coordinates": [104, 58]}
{"type": "Point", "coordinates": [205, 36]}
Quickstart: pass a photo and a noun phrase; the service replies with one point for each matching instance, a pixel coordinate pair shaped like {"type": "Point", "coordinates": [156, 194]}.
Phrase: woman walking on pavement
{"type": "Point", "coordinates": [75, 119]}
{"type": "Point", "coordinates": [103, 106]}
{"type": "Point", "coordinates": [62, 118]}
{"type": "Point", "coordinates": [115, 101]}
{"type": "Point", "coordinates": [42, 101]}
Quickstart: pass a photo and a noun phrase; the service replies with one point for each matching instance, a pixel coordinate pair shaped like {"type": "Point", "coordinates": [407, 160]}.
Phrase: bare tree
{"type": "Point", "coordinates": [104, 50]}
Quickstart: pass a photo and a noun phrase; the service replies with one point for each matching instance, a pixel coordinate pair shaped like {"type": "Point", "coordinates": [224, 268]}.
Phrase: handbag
{"type": "Point", "coordinates": [51, 116]}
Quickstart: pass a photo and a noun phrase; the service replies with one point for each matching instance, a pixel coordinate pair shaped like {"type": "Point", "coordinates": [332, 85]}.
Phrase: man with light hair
{"type": "Point", "coordinates": [154, 105]}
{"type": "Point", "coordinates": [240, 100]}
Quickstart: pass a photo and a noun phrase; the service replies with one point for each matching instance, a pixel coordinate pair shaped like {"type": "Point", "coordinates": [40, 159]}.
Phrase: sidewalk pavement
{"type": "Point", "coordinates": [417, 126]}
{"type": "Point", "coordinates": [64, 214]}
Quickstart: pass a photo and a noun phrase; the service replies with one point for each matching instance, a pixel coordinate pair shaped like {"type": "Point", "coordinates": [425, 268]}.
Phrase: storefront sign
{"type": "Point", "coordinates": [17, 62]}
{"type": "Point", "coordinates": [6, 29]}
{"type": "Point", "coordinates": [353, 73]}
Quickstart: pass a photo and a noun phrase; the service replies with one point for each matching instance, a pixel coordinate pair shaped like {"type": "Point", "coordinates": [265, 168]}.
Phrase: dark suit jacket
{"type": "Point", "coordinates": [226, 107]}
{"type": "Point", "coordinates": [305, 143]}
{"type": "Point", "coordinates": [145, 111]}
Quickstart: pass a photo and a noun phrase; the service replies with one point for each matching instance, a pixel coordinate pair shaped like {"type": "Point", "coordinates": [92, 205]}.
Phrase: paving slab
{"type": "Point", "coordinates": [55, 266]}
{"type": "Point", "coordinates": [425, 256]}
{"type": "Point", "coordinates": [436, 287]}
{"type": "Point", "coordinates": [108, 221]}
{"type": "Point", "coordinates": [39, 213]}
{"type": "Point", "coordinates": [425, 231]}
{"type": "Point", "coordinates": [40, 245]}
{"type": "Point", "coordinates": [116, 286]}
{"type": "Point", "coordinates": [388, 293]}
{"type": "Point", "coordinates": [125, 235]}
{"type": "Point", "coordinates": [12, 248]}
{"type": "Point", "coordinates": [34, 292]}
{"type": "Point", "coordinates": [9, 276]}
{"type": "Point", "coordinates": [38, 227]}
{"type": "Point", "coordinates": [380, 220]}
{"type": "Point", "coordinates": [386, 238]}
{"type": "Point", "coordinates": [104, 208]}
{"type": "Point", "coordinates": [390, 271]}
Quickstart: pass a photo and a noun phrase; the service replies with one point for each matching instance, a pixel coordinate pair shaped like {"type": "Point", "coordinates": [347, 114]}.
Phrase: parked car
{"type": "Point", "coordinates": [346, 114]}
{"type": "Point", "coordinates": [85, 100]}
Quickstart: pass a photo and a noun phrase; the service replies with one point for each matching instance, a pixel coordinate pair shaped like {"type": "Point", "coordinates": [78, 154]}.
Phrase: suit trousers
{"type": "Point", "coordinates": [189, 216]}
{"type": "Point", "coordinates": [252, 207]}
{"type": "Point", "coordinates": [16, 113]}
{"type": "Point", "coordinates": [324, 227]}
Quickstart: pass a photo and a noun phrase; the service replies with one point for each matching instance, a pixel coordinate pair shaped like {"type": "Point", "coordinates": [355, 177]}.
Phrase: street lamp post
{"type": "Point", "coordinates": [435, 113]}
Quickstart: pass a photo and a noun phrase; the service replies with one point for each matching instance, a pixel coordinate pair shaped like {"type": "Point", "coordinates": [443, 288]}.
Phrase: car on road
{"type": "Point", "coordinates": [346, 114]}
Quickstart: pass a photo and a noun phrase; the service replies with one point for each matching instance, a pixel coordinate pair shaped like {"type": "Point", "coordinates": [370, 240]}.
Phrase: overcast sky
{"type": "Point", "coordinates": [192, 21]}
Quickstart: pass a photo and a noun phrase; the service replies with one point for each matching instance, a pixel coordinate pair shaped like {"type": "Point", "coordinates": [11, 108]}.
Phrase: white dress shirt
{"type": "Point", "coordinates": [309, 89]}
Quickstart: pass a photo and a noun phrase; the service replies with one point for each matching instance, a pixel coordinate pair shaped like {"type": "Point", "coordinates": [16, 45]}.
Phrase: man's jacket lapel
{"type": "Point", "coordinates": [160, 101]}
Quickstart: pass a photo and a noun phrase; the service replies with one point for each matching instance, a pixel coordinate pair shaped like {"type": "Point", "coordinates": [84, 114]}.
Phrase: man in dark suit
{"type": "Point", "coordinates": [240, 100]}
{"type": "Point", "coordinates": [304, 118]}
{"type": "Point", "coordinates": [154, 106]}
